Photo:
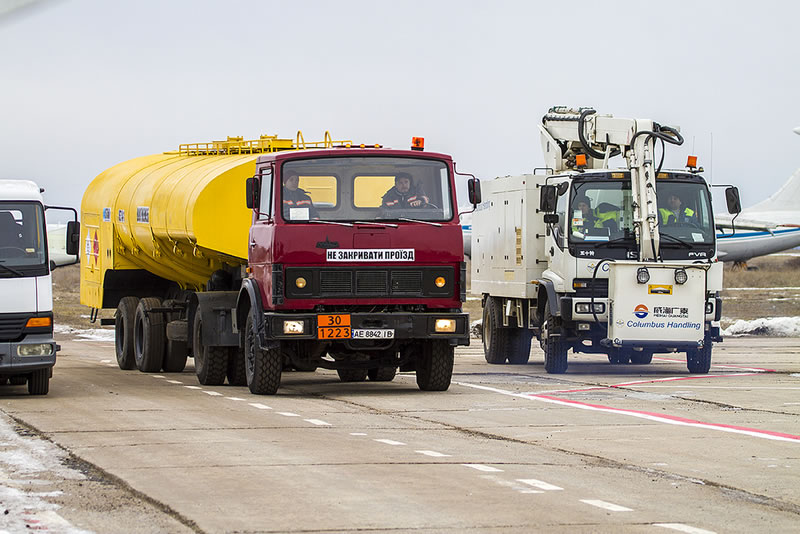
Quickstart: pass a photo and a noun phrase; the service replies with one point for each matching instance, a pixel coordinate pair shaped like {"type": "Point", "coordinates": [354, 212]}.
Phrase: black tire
{"type": "Point", "coordinates": [123, 332]}
{"type": "Point", "coordinates": [495, 338]}
{"type": "Point", "coordinates": [435, 366]}
{"type": "Point", "coordinates": [262, 367]}
{"type": "Point", "coordinates": [237, 376]}
{"type": "Point", "coordinates": [698, 361]}
{"type": "Point", "coordinates": [555, 350]}
{"type": "Point", "coordinates": [210, 363]}
{"type": "Point", "coordinates": [352, 375]}
{"type": "Point", "coordinates": [149, 336]}
{"type": "Point", "coordinates": [39, 382]}
{"type": "Point", "coordinates": [175, 355]}
{"type": "Point", "coordinates": [382, 374]}
{"type": "Point", "coordinates": [18, 380]}
{"type": "Point", "coordinates": [520, 347]}
{"type": "Point", "coordinates": [620, 356]}
{"type": "Point", "coordinates": [643, 357]}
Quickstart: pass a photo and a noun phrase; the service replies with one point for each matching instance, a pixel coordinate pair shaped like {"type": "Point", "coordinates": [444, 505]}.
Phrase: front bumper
{"type": "Point", "coordinates": [406, 326]}
{"type": "Point", "coordinates": [11, 363]}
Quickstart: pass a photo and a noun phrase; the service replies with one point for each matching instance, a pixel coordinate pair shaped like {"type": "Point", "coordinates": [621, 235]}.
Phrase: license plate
{"type": "Point", "coordinates": [335, 326]}
{"type": "Point", "coordinates": [373, 333]}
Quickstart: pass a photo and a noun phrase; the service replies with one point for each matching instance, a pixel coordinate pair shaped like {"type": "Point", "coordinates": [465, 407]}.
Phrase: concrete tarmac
{"type": "Point", "coordinates": [602, 448]}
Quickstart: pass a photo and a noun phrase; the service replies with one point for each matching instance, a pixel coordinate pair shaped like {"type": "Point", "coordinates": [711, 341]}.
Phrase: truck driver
{"type": "Point", "coordinates": [675, 212]}
{"type": "Point", "coordinates": [593, 218]}
{"type": "Point", "coordinates": [294, 197]}
{"type": "Point", "coordinates": [404, 194]}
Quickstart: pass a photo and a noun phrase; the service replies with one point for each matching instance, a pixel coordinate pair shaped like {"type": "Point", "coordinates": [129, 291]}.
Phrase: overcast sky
{"type": "Point", "coordinates": [86, 84]}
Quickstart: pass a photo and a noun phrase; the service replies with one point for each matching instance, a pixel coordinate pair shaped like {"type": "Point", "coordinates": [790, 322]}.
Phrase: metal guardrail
{"type": "Point", "coordinates": [266, 143]}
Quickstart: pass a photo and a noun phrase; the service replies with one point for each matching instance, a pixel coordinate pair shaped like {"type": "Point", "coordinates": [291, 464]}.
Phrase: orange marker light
{"type": "Point", "coordinates": [691, 162]}
{"type": "Point", "coordinates": [580, 160]}
{"type": "Point", "coordinates": [417, 143]}
{"type": "Point", "coordinates": [38, 322]}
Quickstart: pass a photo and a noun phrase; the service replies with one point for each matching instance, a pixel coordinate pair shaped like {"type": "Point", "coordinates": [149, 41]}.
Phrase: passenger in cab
{"type": "Point", "coordinates": [674, 212]}
{"type": "Point", "coordinates": [405, 194]}
{"type": "Point", "coordinates": [294, 197]}
{"type": "Point", "coordinates": [604, 216]}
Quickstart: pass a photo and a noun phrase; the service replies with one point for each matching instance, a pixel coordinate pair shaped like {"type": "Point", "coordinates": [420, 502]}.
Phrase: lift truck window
{"type": "Point", "coordinates": [22, 240]}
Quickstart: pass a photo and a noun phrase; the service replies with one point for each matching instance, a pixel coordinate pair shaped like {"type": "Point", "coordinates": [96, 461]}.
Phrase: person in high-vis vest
{"type": "Point", "coordinates": [675, 212]}
{"type": "Point", "coordinates": [593, 218]}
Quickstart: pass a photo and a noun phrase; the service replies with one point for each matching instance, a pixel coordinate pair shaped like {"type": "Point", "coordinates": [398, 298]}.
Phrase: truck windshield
{"type": "Point", "coordinates": [600, 211]}
{"type": "Point", "coordinates": [22, 237]}
{"type": "Point", "coordinates": [352, 189]}
{"type": "Point", "coordinates": [684, 212]}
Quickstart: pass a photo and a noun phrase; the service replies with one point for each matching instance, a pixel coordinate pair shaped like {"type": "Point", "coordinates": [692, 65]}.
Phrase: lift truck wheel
{"type": "Point", "coordinates": [642, 357]}
{"type": "Point", "coordinates": [555, 350]}
{"type": "Point", "coordinates": [262, 367]}
{"type": "Point", "coordinates": [123, 332]}
{"type": "Point", "coordinates": [435, 365]}
{"type": "Point", "coordinates": [210, 363]}
{"type": "Point", "coordinates": [620, 356]}
{"type": "Point", "coordinates": [698, 361]}
{"type": "Point", "coordinates": [39, 382]}
{"type": "Point", "coordinates": [149, 334]}
{"type": "Point", "coordinates": [382, 374]}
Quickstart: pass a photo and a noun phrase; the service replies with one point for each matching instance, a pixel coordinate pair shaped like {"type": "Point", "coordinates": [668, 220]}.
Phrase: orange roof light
{"type": "Point", "coordinates": [417, 143]}
{"type": "Point", "coordinates": [580, 160]}
{"type": "Point", "coordinates": [691, 162]}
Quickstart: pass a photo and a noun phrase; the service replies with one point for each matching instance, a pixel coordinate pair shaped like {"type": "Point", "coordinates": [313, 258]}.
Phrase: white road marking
{"type": "Point", "coordinates": [318, 422]}
{"type": "Point", "coordinates": [288, 414]}
{"type": "Point", "coordinates": [509, 484]}
{"type": "Point", "coordinates": [539, 484]}
{"type": "Point", "coordinates": [259, 406]}
{"type": "Point", "coordinates": [235, 398]}
{"type": "Point", "coordinates": [486, 468]}
{"type": "Point", "coordinates": [434, 454]}
{"type": "Point", "coordinates": [105, 361]}
{"type": "Point", "coordinates": [213, 393]}
{"type": "Point", "coordinates": [174, 382]}
{"type": "Point", "coordinates": [193, 387]}
{"type": "Point", "coordinates": [111, 365]}
{"type": "Point", "coordinates": [357, 434]}
{"type": "Point", "coordinates": [390, 442]}
{"type": "Point", "coordinates": [680, 527]}
{"type": "Point", "coordinates": [158, 376]}
{"type": "Point", "coordinates": [606, 505]}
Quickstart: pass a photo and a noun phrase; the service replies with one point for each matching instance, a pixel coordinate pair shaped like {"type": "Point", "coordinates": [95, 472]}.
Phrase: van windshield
{"type": "Point", "coordinates": [352, 189]}
{"type": "Point", "coordinates": [22, 236]}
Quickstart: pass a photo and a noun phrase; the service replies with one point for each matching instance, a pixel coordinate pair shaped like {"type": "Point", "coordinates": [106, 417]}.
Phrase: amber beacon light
{"type": "Point", "coordinates": [417, 143]}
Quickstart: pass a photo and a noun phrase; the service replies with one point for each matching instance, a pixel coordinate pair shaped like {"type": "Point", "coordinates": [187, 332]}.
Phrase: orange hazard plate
{"type": "Point", "coordinates": [333, 326]}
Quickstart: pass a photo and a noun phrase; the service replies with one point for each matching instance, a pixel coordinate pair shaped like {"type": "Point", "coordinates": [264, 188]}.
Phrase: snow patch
{"type": "Point", "coordinates": [91, 334]}
{"type": "Point", "coordinates": [773, 327]}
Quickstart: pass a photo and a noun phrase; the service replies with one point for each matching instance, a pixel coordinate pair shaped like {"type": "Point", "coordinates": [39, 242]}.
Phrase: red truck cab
{"type": "Point", "coordinates": [355, 264]}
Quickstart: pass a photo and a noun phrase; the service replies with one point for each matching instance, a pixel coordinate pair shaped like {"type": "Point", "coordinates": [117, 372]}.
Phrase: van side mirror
{"type": "Point", "coordinates": [733, 200]}
{"type": "Point", "coordinates": [474, 191]}
{"type": "Point", "coordinates": [253, 188]}
{"type": "Point", "coordinates": [73, 237]}
{"type": "Point", "coordinates": [547, 199]}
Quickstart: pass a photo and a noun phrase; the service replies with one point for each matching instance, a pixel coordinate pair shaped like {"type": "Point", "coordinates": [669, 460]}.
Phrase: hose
{"type": "Point", "coordinates": [585, 144]}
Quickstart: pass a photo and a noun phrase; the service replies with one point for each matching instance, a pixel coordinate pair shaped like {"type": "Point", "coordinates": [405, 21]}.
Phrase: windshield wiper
{"type": "Point", "coordinates": [376, 223]}
{"type": "Point", "coordinates": [329, 222]}
{"type": "Point", "coordinates": [416, 221]}
{"type": "Point", "coordinates": [12, 271]}
{"type": "Point", "coordinates": [618, 242]}
{"type": "Point", "coordinates": [677, 240]}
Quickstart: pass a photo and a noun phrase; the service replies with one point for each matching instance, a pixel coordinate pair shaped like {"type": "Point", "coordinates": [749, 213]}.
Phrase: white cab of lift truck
{"type": "Point", "coordinates": [598, 260]}
{"type": "Point", "coordinates": [27, 347]}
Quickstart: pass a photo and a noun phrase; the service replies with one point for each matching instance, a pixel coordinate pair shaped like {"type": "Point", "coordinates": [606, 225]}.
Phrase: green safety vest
{"type": "Point", "coordinates": [600, 217]}
{"type": "Point", "coordinates": [669, 216]}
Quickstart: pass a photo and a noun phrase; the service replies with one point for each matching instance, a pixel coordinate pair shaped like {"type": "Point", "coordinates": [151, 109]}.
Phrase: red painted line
{"type": "Point", "coordinates": [667, 379]}
{"type": "Point", "coordinates": [672, 419]}
{"type": "Point", "coordinates": [759, 369]}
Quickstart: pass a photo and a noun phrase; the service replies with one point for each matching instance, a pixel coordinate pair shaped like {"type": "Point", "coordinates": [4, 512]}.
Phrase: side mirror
{"type": "Point", "coordinates": [551, 218]}
{"type": "Point", "coordinates": [547, 199]}
{"type": "Point", "coordinates": [474, 191]}
{"type": "Point", "coordinates": [253, 189]}
{"type": "Point", "coordinates": [733, 200]}
{"type": "Point", "coordinates": [73, 237]}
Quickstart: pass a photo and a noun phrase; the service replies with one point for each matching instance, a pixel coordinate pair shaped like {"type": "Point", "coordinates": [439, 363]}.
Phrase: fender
{"type": "Point", "coordinates": [249, 302]}
{"type": "Point", "coordinates": [216, 309]}
{"type": "Point", "coordinates": [552, 298]}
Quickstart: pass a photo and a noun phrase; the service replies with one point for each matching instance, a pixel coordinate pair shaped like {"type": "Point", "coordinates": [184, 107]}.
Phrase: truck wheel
{"type": "Point", "coordinates": [236, 372]}
{"type": "Point", "coordinates": [39, 382]}
{"type": "Point", "coordinates": [262, 367]}
{"type": "Point", "coordinates": [620, 356]}
{"type": "Point", "coordinates": [642, 358]}
{"type": "Point", "coordinates": [495, 338]}
{"type": "Point", "coordinates": [382, 374]}
{"type": "Point", "coordinates": [352, 375]}
{"type": "Point", "coordinates": [176, 351]}
{"type": "Point", "coordinates": [123, 332]}
{"type": "Point", "coordinates": [699, 360]}
{"type": "Point", "coordinates": [210, 363]}
{"type": "Point", "coordinates": [435, 366]}
{"type": "Point", "coordinates": [148, 336]}
{"type": "Point", "coordinates": [555, 351]}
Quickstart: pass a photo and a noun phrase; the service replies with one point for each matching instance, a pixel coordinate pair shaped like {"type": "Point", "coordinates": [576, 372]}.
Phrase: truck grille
{"type": "Point", "coordinates": [396, 282]}
{"type": "Point", "coordinates": [371, 282]}
{"type": "Point", "coordinates": [406, 282]}
{"type": "Point", "coordinates": [336, 282]}
{"type": "Point", "coordinates": [11, 326]}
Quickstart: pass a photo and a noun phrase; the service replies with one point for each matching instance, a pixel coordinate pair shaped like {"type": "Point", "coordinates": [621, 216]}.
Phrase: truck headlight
{"type": "Point", "coordinates": [586, 307]}
{"type": "Point", "coordinates": [642, 275]}
{"type": "Point", "coordinates": [37, 349]}
{"type": "Point", "coordinates": [293, 327]}
{"type": "Point", "coordinates": [680, 276]}
{"type": "Point", "coordinates": [445, 325]}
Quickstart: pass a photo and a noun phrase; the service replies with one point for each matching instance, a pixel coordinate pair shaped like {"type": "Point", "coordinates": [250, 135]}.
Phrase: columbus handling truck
{"type": "Point", "coordinates": [255, 256]}
{"type": "Point", "coordinates": [584, 257]}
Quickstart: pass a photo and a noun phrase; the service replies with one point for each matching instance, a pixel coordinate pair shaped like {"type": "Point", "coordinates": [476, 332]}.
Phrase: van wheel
{"type": "Point", "coordinates": [262, 367]}
{"type": "Point", "coordinates": [148, 337]}
{"type": "Point", "coordinates": [435, 365]}
{"type": "Point", "coordinates": [39, 382]}
{"type": "Point", "coordinates": [555, 350]}
{"type": "Point", "coordinates": [123, 332]}
{"type": "Point", "coordinates": [210, 363]}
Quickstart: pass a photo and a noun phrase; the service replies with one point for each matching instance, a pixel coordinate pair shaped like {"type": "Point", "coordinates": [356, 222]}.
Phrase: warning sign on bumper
{"type": "Point", "coordinates": [370, 254]}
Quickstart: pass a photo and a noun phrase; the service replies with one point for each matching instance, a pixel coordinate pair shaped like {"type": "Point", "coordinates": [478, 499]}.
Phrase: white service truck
{"type": "Point", "coordinates": [27, 347]}
{"type": "Point", "coordinates": [598, 260]}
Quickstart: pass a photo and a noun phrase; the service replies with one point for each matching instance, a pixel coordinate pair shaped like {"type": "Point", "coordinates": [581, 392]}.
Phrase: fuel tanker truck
{"type": "Point", "coordinates": [255, 256]}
